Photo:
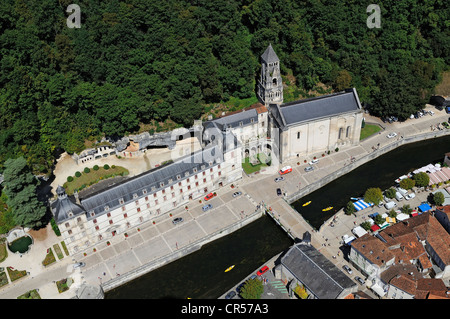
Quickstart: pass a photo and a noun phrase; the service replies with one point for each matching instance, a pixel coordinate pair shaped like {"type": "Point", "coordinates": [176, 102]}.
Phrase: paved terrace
{"type": "Point", "coordinates": [154, 242]}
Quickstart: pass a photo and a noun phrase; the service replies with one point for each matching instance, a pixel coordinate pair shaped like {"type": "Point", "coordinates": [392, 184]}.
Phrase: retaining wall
{"type": "Point", "coordinates": [364, 159]}
{"type": "Point", "coordinates": [135, 273]}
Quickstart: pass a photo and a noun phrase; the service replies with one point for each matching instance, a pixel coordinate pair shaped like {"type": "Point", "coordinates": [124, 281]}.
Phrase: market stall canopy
{"type": "Point", "coordinates": [361, 204]}
{"type": "Point", "coordinates": [424, 208]}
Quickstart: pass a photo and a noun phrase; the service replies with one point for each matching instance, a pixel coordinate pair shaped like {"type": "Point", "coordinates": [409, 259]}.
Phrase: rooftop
{"type": "Point", "coordinates": [315, 108]}
{"type": "Point", "coordinates": [316, 272]}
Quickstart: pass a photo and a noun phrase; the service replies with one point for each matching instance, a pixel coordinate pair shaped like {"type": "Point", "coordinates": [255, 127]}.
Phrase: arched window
{"type": "Point", "coordinates": [341, 130]}
{"type": "Point", "coordinates": [349, 130]}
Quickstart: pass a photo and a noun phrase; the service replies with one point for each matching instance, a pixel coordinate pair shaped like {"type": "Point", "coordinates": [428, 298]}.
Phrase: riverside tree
{"type": "Point", "coordinates": [20, 189]}
{"type": "Point", "coordinates": [373, 195]}
{"type": "Point", "coordinates": [422, 179]}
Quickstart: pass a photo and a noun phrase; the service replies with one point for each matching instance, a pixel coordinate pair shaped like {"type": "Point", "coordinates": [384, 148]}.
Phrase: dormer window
{"type": "Point", "coordinates": [144, 191]}
{"type": "Point", "coordinates": [92, 214]}
{"type": "Point", "coordinates": [106, 208]}
{"type": "Point", "coordinates": [121, 201]}
{"type": "Point", "coordinates": [178, 177]}
{"type": "Point", "coordinates": [135, 195]}
{"type": "Point", "coordinates": [161, 184]}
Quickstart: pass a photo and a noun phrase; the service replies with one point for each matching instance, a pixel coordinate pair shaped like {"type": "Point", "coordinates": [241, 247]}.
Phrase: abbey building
{"type": "Point", "coordinates": [269, 130]}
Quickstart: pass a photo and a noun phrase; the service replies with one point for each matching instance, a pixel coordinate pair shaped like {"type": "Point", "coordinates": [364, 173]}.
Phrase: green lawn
{"type": "Point", "coordinates": [249, 168]}
{"type": "Point", "coordinates": [94, 176]}
{"type": "Point", "coordinates": [368, 130]}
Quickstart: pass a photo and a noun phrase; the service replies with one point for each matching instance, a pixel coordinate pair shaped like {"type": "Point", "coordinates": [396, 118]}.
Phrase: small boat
{"type": "Point", "coordinates": [229, 268]}
{"type": "Point", "coordinates": [327, 209]}
{"type": "Point", "coordinates": [307, 203]}
{"type": "Point", "coordinates": [355, 198]}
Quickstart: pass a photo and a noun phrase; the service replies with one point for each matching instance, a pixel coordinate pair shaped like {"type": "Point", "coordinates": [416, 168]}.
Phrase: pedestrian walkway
{"type": "Point", "coordinates": [256, 189]}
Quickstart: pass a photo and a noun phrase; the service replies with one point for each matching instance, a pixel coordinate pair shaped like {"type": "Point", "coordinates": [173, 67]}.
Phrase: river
{"type": "Point", "coordinates": [380, 172]}
{"type": "Point", "coordinates": [201, 274]}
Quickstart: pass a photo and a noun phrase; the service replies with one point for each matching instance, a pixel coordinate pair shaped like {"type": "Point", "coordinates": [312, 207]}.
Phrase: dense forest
{"type": "Point", "coordinates": [134, 61]}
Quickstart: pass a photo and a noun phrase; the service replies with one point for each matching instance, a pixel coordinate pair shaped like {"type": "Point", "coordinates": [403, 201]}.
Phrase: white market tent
{"type": "Point", "coordinates": [359, 231]}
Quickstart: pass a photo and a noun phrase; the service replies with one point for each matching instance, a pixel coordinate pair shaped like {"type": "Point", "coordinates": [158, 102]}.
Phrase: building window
{"type": "Point", "coordinates": [136, 202]}
{"type": "Point", "coordinates": [138, 209]}
{"type": "Point", "coordinates": [125, 215]}
{"type": "Point", "coordinates": [340, 133]}
{"type": "Point", "coordinates": [109, 214]}
{"type": "Point", "coordinates": [298, 135]}
{"type": "Point", "coordinates": [111, 222]}
{"type": "Point", "coordinates": [349, 129]}
{"type": "Point", "coordinates": [67, 225]}
{"type": "Point", "coordinates": [123, 208]}
{"type": "Point", "coordinates": [97, 228]}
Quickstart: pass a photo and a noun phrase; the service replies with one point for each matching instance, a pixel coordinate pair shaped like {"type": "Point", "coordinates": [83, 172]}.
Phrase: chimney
{"type": "Point", "coordinates": [77, 200]}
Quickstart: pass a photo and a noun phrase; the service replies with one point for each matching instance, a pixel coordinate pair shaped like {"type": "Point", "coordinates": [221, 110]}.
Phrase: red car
{"type": "Point", "coordinates": [285, 170]}
{"type": "Point", "coordinates": [262, 270]}
{"type": "Point", "coordinates": [209, 196]}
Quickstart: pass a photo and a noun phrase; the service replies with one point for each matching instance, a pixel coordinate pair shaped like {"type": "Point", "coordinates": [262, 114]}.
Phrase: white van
{"type": "Point", "coordinates": [402, 191]}
{"type": "Point", "coordinates": [398, 196]}
{"type": "Point", "coordinates": [390, 205]}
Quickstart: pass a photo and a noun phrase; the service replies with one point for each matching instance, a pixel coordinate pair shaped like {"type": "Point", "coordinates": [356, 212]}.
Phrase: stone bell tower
{"type": "Point", "coordinates": [270, 86]}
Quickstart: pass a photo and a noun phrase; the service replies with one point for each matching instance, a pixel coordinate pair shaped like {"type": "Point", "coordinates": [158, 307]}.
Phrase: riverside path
{"type": "Point", "coordinates": [153, 242]}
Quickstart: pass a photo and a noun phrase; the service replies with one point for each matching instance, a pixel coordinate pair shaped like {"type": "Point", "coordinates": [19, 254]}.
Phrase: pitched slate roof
{"type": "Point", "coordinates": [315, 108]}
{"type": "Point", "coordinates": [64, 208]}
{"type": "Point", "coordinates": [142, 185]}
{"type": "Point", "coordinates": [234, 120]}
{"type": "Point", "coordinates": [316, 272]}
{"type": "Point", "coordinates": [269, 55]}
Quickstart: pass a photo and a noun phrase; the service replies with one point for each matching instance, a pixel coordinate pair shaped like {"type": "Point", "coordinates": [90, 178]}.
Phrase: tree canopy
{"type": "Point", "coordinates": [20, 190]}
{"type": "Point", "coordinates": [134, 61]}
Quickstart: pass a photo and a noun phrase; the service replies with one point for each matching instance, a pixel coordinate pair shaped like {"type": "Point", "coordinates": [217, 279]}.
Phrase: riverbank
{"type": "Point", "coordinates": [151, 244]}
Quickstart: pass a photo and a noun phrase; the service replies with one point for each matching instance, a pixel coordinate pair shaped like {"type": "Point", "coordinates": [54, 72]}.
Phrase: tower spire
{"type": "Point", "coordinates": [270, 86]}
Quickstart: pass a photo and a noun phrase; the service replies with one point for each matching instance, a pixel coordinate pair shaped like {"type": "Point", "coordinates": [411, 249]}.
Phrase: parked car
{"type": "Point", "coordinates": [262, 271]}
{"type": "Point", "coordinates": [391, 135]}
{"type": "Point", "coordinates": [209, 196]}
{"type": "Point", "coordinates": [285, 170]}
{"type": "Point", "coordinates": [314, 161]}
{"type": "Point", "coordinates": [360, 280]}
{"type": "Point", "coordinates": [279, 179]}
{"type": "Point", "coordinates": [230, 295]}
{"type": "Point", "coordinates": [279, 191]}
{"type": "Point", "coordinates": [238, 288]}
{"type": "Point", "coordinates": [309, 169]}
{"type": "Point", "coordinates": [177, 220]}
{"type": "Point", "coordinates": [78, 265]}
{"type": "Point", "coordinates": [410, 196]}
{"type": "Point", "coordinates": [347, 269]}
{"type": "Point", "coordinates": [236, 194]}
{"type": "Point", "coordinates": [206, 207]}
